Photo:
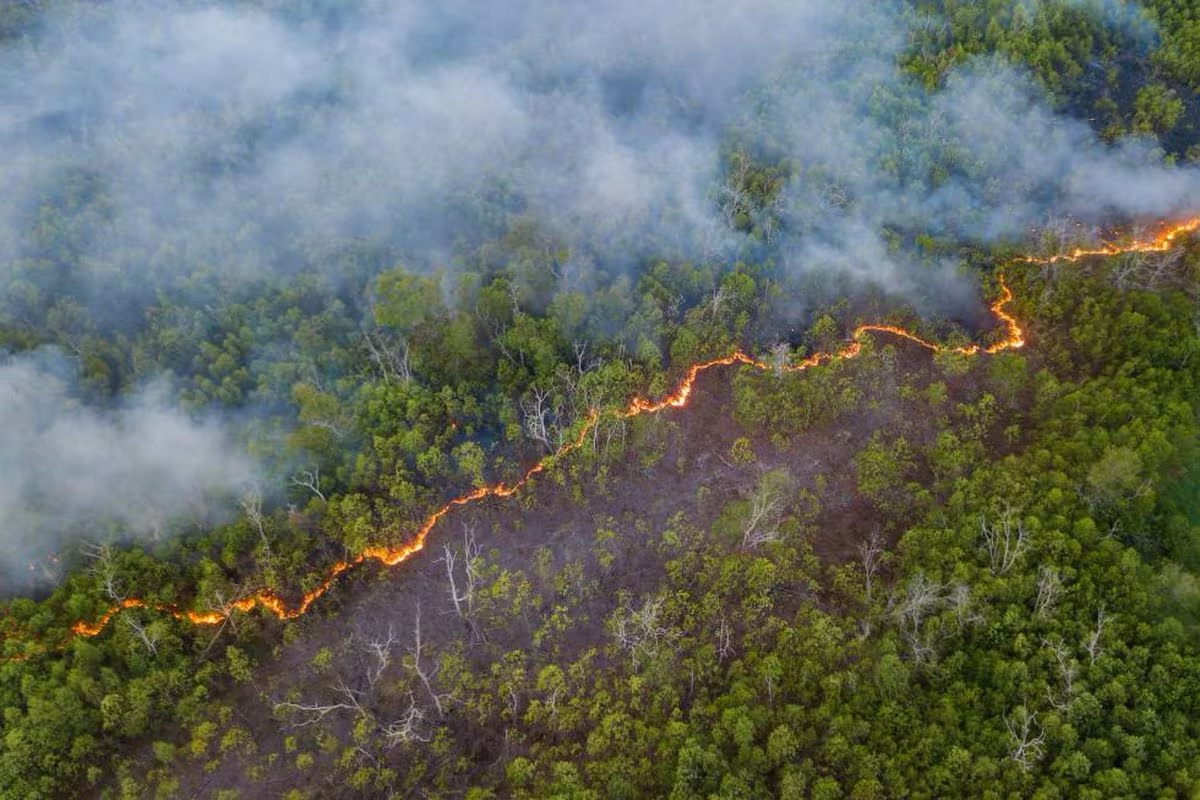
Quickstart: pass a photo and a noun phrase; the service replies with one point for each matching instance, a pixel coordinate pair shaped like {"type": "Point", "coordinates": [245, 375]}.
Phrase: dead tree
{"type": "Point", "coordinates": [1092, 644]}
{"type": "Point", "coordinates": [1049, 585]}
{"type": "Point", "coordinates": [913, 611]}
{"type": "Point", "coordinates": [641, 631]}
{"type": "Point", "coordinates": [360, 699]}
{"type": "Point", "coordinates": [104, 569]}
{"type": "Point", "coordinates": [958, 600]}
{"type": "Point", "coordinates": [583, 362]}
{"type": "Point", "coordinates": [1028, 738]}
{"type": "Point", "coordinates": [252, 504]}
{"type": "Point", "coordinates": [463, 594]}
{"type": "Point", "coordinates": [767, 505]}
{"type": "Point", "coordinates": [540, 418]}
{"type": "Point", "coordinates": [380, 649]}
{"type": "Point", "coordinates": [310, 479]}
{"type": "Point", "coordinates": [415, 665]}
{"type": "Point", "coordinates": [872, 555]}
{"type": "Point", "coordinates": [408, 727]}
{"type": "Point", "coordinates": [724, 640]}
{"type": "Point", "coordinates": [390, 355]}
{"type": "Point", "coordinates": [1004, 541]}
{"type": "Point", "coordinates": [312, 713]}
{"type": "Point", "coordinates": [1068, 669]}
{"type": "Point", "coordinates": [716, 300]}
{"type": "Point", "coordinates": [146, 637]}
{"type": "Point", "coordinates": [781, 356]}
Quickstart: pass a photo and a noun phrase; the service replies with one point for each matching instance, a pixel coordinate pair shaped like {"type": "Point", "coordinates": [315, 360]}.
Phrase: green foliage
{"type": "Point", "coordinates": [1030, 629]}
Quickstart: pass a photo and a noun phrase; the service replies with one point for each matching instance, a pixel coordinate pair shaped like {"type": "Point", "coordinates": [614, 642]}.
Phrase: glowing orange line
{"type": "Point", "coordinates": [391, 556]}
{"type": "Point", "coordinates": [1161, 243]}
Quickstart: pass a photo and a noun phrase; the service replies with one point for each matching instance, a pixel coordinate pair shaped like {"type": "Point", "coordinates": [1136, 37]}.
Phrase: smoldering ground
{"type": "Point", "coordinates": [143, 144]}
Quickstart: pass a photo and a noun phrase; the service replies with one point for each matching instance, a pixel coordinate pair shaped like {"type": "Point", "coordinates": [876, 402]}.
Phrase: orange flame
{"type": "Point", "coordinates": [391, 556]}
{"type": "Point", "coordinates": [1161, 243]}
{"type": "Point", "coordinates": [82, 628]}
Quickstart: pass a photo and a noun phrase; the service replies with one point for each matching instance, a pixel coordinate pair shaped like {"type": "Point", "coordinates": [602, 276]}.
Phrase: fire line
{"type": "Point", "coordinates": [678, 398]}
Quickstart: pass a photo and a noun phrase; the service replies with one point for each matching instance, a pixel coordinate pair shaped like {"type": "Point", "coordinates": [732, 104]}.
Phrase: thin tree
{"type": "Point", "coordinates": [1005, 541]}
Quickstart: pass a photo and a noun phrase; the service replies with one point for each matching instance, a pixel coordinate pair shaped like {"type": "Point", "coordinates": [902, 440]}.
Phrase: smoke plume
{"type": "Point", "coordinates": [246, 138]}
{"type": "Point", "coordinates": [71, 472]}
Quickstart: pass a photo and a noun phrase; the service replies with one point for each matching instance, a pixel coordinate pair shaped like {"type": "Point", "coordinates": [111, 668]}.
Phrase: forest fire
{"type": "Point", "coordinates": [678, 398]}
{"type": "Point", "coordinates": [392, 556]}
{"type": "Point", "coordinates": [1162, 242]}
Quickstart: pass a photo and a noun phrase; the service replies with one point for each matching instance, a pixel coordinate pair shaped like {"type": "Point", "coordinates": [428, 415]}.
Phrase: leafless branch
{"type": "Point", "coordinates": [414, 663]}
{"type": "Point", "coordinates": [541, 418]}
{"type": "Point", "coordinates": [1067, 671]}
{"type": "Point", "coordinates": [390, 355]}
{"type": "Point", "coordinates": [312, 713]}
{"type": "Point", "coordinates": [767, 505]}
{"type": "Point", "coordinates": [408, 727]}
{"type": "Point", "coordinates": [641, 631]}
{"type": "Point", "coordinates": [724, 640]}
{"type": "Point", "coordinates": [921, 599]}
{"type": "Point", "coordinates": [1027, 736]}
{"type": "Point", "coordinates": [103, 568]}
{"type": "Point", "coordinates": [1004, 541]}
{"type": "Point", "coordinates": [381, 650]}
{"type": "Point", "coordinates": [1092, 645]}
{"type": "Point", "coordinates": [309, 479]}
{"type": "Point", "coordinates": [873, 555]}
{"type": "Point", "coordinates": [150, 640]}
{"type": "Point", "coordinates": [252, 504]}
{"type": "Point", "coordinates": [1049, 585]}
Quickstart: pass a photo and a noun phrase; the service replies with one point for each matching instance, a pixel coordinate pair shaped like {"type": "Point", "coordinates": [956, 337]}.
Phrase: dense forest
{"type": "Point", "coordinates": [354, 443]}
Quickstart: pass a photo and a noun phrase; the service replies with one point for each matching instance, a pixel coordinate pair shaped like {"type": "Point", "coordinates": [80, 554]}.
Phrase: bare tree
{"type": "Point", "coordinates": [1004, 541]}
{"type": "Point", "coordinates": [312, 713]}
{"type": "Point", "coordinates": [461, 600]}
{"type": "Point", "coordinates": [389, 354]}
{"type": "Point", "coordinates": [361, 698]}
{"type": "Point", "coordinates": [641, 631]}
{"type": "Point", "coordinates": [872, 555]}
{"type": "Point", "coordinates": [1028, 738]}
{"type": "Point", "coordinates": [147, 637]}
{"type": "Point", "coordinates": [541, 418]}
{"type": "Point", "coordinates": [611, 426]}
{"type": "Point", "coordinates": [252, 504]}
{"type": "Point", "coordinates": [380, 649]}
{"type": "Point", "coordinates": [716, 300]}
{"type": "Point", "coordinates": [310, 479]}
{"type": "Point", "coordinates": [1049, 585]}
{"type": "Point", "coordinates": [463, 594]}
{"type": "Point", "coordinates": [1068, 669]}
{"type": "Point", "coordinates": [1145, 270]}
{"type": "Point", "coordinates": [583, 362]}
{"type": "Point", "coordinates": [781, 355]}
{"type": "Point", "coordinates": [922, 598]}
{"type": "Point", "coordinates": [724, 640]}
{"type": "Point", "coordinates": [408, 727]}
{"type": "Point", "coordinates": [767, 505]}
{"type": "Point", "coordinates": [1092, 645]}
{"type": "Point", "coordinates": [104, 568]}
{"type": "Point", "coordinates": [414, 663]}
{"type": "Point", "coordinates": [958, 600]}
{"type": "Point", "coordinates": [219, 605]}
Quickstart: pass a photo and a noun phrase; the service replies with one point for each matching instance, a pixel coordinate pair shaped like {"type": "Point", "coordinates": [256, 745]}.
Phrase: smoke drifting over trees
{"type": "Point", "coordinates": [147, 148]}
{"type": "Point", "coordinates": [249, 137]}
{"type": "Point", "coordinates": [71, 472]}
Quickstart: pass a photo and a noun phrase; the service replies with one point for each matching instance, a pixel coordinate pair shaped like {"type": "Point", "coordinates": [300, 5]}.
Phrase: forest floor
{"type": "Point", "coordinates": [677, 467]}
